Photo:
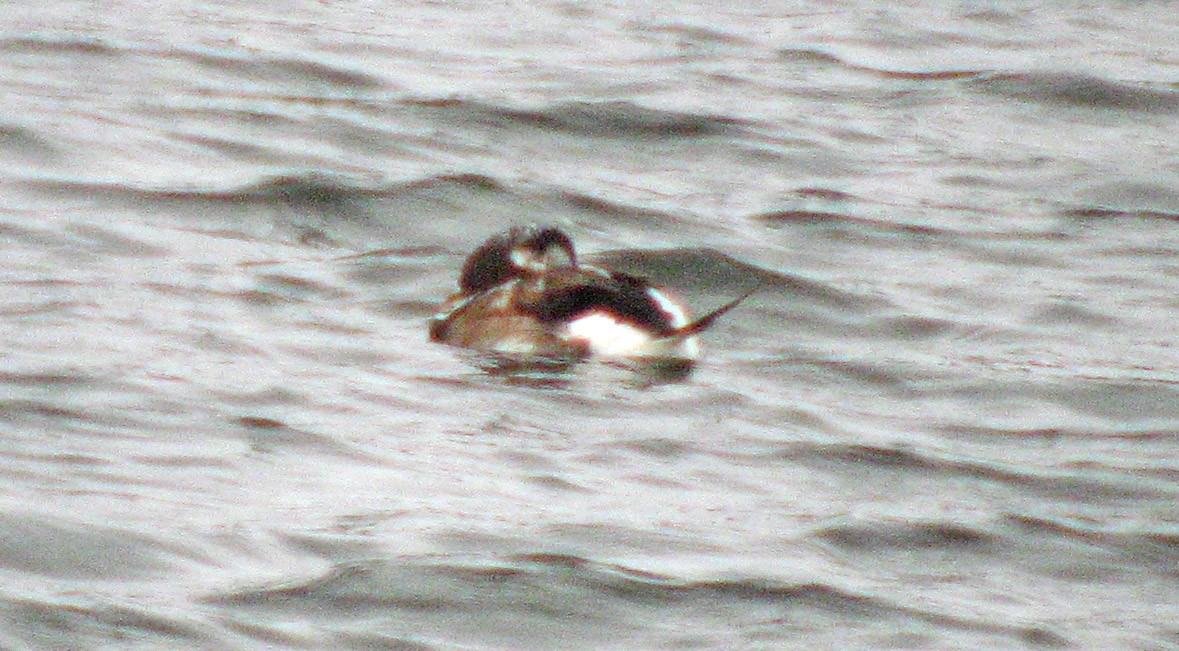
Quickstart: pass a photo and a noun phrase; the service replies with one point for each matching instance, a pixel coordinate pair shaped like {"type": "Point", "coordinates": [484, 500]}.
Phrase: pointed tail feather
{"type": "Point", "coordinates": [706, 321]}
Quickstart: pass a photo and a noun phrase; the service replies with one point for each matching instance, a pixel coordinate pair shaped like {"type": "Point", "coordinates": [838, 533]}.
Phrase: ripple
{"type": "Point", "coordinates": [271, 69]}
{"type": "Point", "coordinates": [612, 119]}
{"type": "Point", "coordinates": [1128, 432]}
{"type": "Point", "coordinates": [48, 546]}
{"type": "Point", "coordinates": [911, 536]}
{"type": "Point", "coordinates": [608, 209]}
{"type": "Point", "coordinates": [60, 622]}
{"type": "Point", "coordinates": [847, 222]}
{"type": "Point", "coordinates": [1153, 539]}
{"type": "Point", "coordinates": [1081, 486]}
{"type": "Point", "coordinates": [26, 143]}
{"type": "Point", "coordinates": [315, 209]}
{"type": "Point", "coordinates": [1126, 199]}
{"type": "Point", "coordinates": [825, 218]}
{"type": "Point", "coordinates": [61, 45]}
{"type": "Point", "coordinates": [824, 57]}
{"type": "Point", "coordinates": [1094, 213]}
{"type": "Point", "coordinates": [503, 597]}
{"type": "Point", "coordinates": [311, 188]}
{"type": "Point", "coordinates": [1075, 89]}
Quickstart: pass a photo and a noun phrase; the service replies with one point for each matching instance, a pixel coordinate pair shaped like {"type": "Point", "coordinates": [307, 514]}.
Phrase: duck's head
{"type": "Point", "coordinates": [520, 251]}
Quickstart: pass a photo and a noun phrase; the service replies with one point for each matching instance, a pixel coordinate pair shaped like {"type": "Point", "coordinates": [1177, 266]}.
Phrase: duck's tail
{"type": "Point", "coordinates": [706, 321]}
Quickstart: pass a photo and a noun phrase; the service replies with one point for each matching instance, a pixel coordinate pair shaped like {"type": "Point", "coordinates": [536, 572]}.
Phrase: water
{"type": "Point", "coordinates": [949, 419]}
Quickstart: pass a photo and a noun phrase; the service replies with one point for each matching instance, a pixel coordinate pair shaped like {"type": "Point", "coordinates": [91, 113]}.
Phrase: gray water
{"type": "Point", "coordinates": [949, 418]}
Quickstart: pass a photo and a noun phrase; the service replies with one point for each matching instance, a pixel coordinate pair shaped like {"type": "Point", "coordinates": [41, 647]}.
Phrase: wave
{"type": "Point", "coordinates": [1156, 548]}
{"type": "Point", "coordinates": [311, 188]}
{"type": "Point", "coordinates": [1120, 199]}
{"type": "Point", "coordinates": [820, 56]}
{"type": "Point", "coordinates": [1080, 90]}
{"type": "Point", "coordinates": [272, 69]}
{"type": "Point", "coordinates": [26, 143]}
{"type": "Point", "coordinates": [62, 44]}
{"type": "Point", "coordinates": [616, 119]}
{"type": "Point", "coordinates": [312, 208]}
{"type": "Point", "coordinates": [528, 594]}
{"type": "Point", "coordinates": [1067, 485]}
{"type": "Point", "coordinates": [909, 536]}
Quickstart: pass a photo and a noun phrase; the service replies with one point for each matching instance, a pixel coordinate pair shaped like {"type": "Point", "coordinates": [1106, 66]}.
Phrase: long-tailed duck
{"type": "Point", "coordinates": [523, 293]}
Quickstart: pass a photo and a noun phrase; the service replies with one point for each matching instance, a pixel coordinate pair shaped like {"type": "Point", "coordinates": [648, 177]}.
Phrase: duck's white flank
{"type": "Point", "coordinates": [608, 336]}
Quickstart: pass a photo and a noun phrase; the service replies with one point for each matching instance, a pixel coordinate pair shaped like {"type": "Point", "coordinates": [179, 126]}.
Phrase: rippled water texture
{"type": "Point", "coordinates": [948, 419]}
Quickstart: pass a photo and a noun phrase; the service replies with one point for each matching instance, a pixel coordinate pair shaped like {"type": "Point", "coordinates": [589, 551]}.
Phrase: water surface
{"type": "Point", "coordinates": [949, 418]}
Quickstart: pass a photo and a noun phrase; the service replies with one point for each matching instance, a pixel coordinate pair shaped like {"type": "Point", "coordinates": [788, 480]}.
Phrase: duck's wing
{"type": "Point", "coordinates": [568, 293]}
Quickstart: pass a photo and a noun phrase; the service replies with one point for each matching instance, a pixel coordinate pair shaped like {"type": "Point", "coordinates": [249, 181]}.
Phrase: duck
{"type": "Point", "coordinates": [524, 293]}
